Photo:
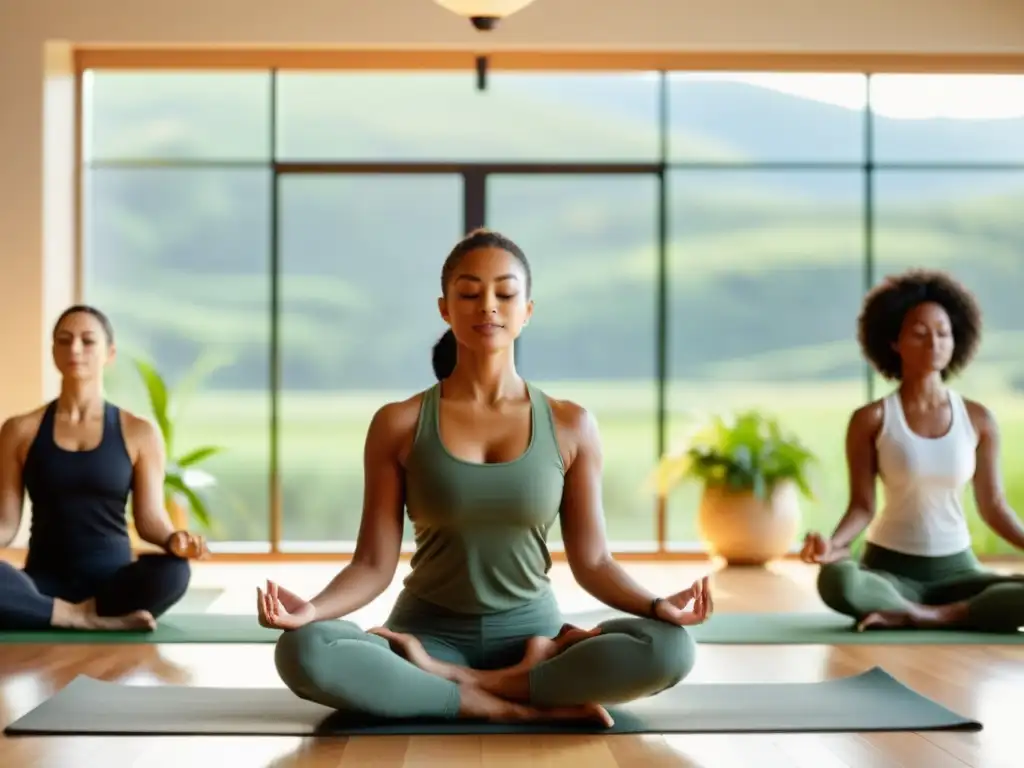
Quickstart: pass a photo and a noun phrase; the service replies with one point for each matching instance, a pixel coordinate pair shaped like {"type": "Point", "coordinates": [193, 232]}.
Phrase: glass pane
{"type": "Point", "coordinates": [180, 259]}
{"type": "Point", "coordinates": [766, 117]}
{"type": "Point", "coordinates": [969, 224]}
{"type": "Point", "coordinates": [358, 320]}
{"type": "Point", "coordinates": [442, 116]}
{"type": "Point", "coordinates": [766, 275]}
{"type": "Point", "coordinates": [592, 338]}
{"type": "Point", "coordinates": [948, 118]}
{"type": "Point", "coordinates": [212, 116]}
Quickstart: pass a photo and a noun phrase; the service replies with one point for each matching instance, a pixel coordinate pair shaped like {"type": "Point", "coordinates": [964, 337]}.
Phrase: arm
{"type": "Point", "coordinates": [993, 507]}
{"type": "Point", "coordinates": [379, 542]}
{"type": "Point", "coordinates": [152, 522]}
{"type": "Point", "coordinates": [582, 516]}
{"type": "Point", "coordinates": [12, 489]}
{"type": "Point", "coordinates": [862, 467]}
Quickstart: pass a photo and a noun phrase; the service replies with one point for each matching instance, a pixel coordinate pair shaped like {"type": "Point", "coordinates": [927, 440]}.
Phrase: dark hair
{"type": "Point", "coordinates": [445, 350]}
{"type": "Point", "coordinates": [104, 321]}
{"type": "Point", "coordinates": [887, 304]}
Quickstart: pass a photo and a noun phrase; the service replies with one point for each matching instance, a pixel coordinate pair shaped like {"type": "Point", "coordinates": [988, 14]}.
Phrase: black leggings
{"type": "Point", "coordinates": [151, 583]}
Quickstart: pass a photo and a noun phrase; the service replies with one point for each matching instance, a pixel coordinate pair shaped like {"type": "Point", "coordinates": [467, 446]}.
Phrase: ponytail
{"type": "Point", "coordinates": [445, 353]}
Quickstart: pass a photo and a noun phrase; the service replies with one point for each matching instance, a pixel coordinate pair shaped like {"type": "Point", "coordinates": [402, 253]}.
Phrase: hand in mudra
{"type": "Point", "coordinates": [187, 545]}
{"type": "Point", "coordinates": [818, 550]}
{"type": "Point", "coordinates": [693, 605]}
{"type": "Point", "coordinates": [280, 608]}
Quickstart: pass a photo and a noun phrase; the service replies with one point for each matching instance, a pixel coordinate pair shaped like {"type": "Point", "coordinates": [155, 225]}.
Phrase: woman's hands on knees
{"type": "Point", "coordinates": [693, 605]}
{"type": "Point", "coordinates": [280, 608]}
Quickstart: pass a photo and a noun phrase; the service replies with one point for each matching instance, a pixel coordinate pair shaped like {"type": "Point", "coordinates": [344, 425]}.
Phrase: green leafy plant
{"type": "Point", "coordinates": [748, 452]}
{"type": "Point", "coordinates": [183, 479]}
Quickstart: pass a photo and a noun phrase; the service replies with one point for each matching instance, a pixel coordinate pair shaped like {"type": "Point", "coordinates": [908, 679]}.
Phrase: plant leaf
{"type": "Point", "coordinates": [198, 455]}
{"type": "Point", "coordinates": [159, 400]}
{"type": "Point", "coordinates": [748, 450]}
{"type": "Point", "coordinates": [196, 505]}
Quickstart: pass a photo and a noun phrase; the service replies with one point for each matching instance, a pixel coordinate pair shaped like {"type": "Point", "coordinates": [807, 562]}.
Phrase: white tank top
{"type": "Point", "coordinates": [923, 480]}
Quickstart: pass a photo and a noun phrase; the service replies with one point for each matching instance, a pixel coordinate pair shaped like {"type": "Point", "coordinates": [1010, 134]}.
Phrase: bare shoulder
{"type": "Point", "coordinates": [575, 427]}
{"type": "Point", "coordinates": [866, 421]}
{"type": "Point", "coordinates": [571, 416]}
{"type": "Point", "coordinates": [140, 433]}
{"type": "Point", "coordinates": [398, 416]}
{"type": "Point", "coordinates": [18, 431]}
{"type": "Point", "coordinates": [393, 425]}
{"type": "Point", "coordinates": [982, 419]}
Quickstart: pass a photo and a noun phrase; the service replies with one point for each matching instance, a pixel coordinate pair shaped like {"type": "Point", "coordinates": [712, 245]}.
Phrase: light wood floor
{"type": "Point", "coordinates": [983, 682]}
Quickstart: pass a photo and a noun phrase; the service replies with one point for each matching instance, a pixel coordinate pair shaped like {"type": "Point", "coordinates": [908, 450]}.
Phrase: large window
{"type": "Point", "coordinates": [358, 319]}
{"type": "Point", "coordinates": [177, 250]}
{"type": "Point", "coordinates": [766, 274]}
{"type": "Point", "coordinates": [594, 261]}
{"type": "Point", "coordinates": [700, 243]}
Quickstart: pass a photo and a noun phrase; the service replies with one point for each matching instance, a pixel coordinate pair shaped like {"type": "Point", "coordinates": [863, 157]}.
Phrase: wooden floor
{"type": "Point", "coordinates": [986, 683]}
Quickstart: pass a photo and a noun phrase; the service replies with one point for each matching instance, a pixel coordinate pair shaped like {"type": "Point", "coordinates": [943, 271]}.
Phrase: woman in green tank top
{"type": "Point", "coordinates": [484, 463]}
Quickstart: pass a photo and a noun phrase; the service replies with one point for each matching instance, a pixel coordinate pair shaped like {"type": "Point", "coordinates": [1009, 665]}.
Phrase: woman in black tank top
{"type": "Point", "coordinates": [78, 459]}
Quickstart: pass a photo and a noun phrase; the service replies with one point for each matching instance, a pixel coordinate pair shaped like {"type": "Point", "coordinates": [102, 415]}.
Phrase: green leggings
{"type": "Point", "coordinates": [885, 580]}
{"type": "Point", "coordinates": [336, 664]}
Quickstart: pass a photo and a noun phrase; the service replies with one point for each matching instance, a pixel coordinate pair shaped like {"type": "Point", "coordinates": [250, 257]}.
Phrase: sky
{"type": "Point", "coordinates": [963, 97]}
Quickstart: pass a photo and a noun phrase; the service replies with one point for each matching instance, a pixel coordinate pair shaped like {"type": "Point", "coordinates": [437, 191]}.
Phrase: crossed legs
{"type": "Point", "coordinates": [887, 592]}
{"type": "Point", "coordinates": [339, 665]}
{"type": "Point", "coordinates": [133, 597]}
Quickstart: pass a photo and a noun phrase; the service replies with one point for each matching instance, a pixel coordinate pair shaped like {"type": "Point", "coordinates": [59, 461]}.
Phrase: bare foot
{"type": "Point", "coordinates": [83, 616]}
{"type": "Point", "coordinates": [478, 704]}
{"type": "Point", "coordinates": [916, 616]}
{"type": "Point", "coordinates": [411, 649]}
{"type": "Point", "coordinates": [539, 649]}
{"type": "Point", "coordinates": [885, 620]}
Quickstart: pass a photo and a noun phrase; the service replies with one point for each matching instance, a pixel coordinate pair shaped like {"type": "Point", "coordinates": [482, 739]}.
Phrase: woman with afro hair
{"type": "Point", "coordinates": [925, 442]}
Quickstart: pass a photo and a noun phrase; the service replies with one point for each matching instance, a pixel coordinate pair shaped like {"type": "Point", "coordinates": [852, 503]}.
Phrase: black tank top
{"type": "Point", "coordinates": [79, 501]}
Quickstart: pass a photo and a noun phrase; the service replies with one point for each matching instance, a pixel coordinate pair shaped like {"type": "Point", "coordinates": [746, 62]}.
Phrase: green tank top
{"type": "Point", "coordinates": [481, 529]}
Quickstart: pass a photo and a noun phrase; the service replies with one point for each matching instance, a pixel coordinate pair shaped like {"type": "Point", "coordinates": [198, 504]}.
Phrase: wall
{"type": "Point", "coordinates": [36, 94]}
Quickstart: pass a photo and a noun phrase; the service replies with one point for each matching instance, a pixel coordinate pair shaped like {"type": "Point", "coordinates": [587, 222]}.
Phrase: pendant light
{"type": "Point", "coordinates": [484, 14]}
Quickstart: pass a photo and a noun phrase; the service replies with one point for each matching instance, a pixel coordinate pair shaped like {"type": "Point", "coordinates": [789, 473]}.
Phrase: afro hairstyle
{"type": "Point", "coordinates": [887, 304]}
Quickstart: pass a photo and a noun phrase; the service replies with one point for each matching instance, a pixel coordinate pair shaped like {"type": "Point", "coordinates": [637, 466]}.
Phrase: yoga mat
{"type": "Point", "coordinates": [722, 629]}
{"type": "Point", "coordinates": [812, 628]}
{"type": "Point", "coordinates": [871, 701]}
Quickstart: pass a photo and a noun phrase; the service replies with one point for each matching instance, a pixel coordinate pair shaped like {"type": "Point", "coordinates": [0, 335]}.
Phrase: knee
{"type": "Point", "coordinates": [669, 654]}
{"type": "Point", "coordinates": [299, 653]}
{"type": "Point", "coordinates": [833, 584]}
{"type": "Point", "coordinates": [175, 573]}
{"type": "Point", "coordinates": [674, 652]}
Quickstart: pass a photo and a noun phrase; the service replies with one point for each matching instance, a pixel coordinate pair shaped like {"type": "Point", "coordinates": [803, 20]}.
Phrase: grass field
{"type": "Point", "coordinates": [321, 442]}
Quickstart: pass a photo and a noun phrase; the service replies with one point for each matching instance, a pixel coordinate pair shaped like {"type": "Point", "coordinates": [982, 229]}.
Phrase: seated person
{"type": "Point", "coordinates": [485, 463]}
{"type": "Point", "coordinates": [78, 458]}
{"type": "Point", "coordinates": [925, 442]}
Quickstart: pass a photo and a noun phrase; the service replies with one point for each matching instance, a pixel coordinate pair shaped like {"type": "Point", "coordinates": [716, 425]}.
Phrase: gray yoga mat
{"type": "Point", "coordinates": [871, 701]}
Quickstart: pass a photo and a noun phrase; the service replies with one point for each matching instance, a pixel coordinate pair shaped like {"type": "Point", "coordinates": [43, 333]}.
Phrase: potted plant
{"type": "Point", "coordinates": [752, 473]}
{"type": "Point", "coordinates": [184, 481]}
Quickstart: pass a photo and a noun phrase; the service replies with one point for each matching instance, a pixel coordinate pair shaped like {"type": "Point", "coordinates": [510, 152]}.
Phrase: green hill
{"type": "Point", "coordinates": [765, 275]}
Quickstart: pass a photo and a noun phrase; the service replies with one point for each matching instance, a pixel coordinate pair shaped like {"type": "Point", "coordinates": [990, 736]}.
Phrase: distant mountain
{"type": "Point", "coordinates": [762, 124]}
{"type": "Point", "coordinates": [766, 268]}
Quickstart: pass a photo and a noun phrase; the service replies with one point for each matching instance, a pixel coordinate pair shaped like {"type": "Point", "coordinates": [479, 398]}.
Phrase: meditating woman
{"type": "Point", "coordinates": [79, 457]}
{"type": "Point", "coordinates": [485, 463]}
{"type": "Point", "coordinates": [925, 442]}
